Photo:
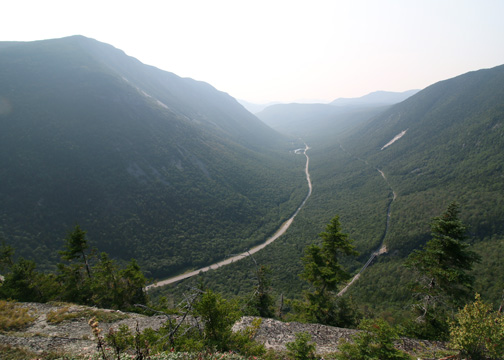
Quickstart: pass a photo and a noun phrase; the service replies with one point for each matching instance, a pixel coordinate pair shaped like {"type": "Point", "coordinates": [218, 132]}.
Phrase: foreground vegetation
{"type": "Point", "coordinates": [200, 326]}
{"type": "Point", "coordinates": [83, 277]}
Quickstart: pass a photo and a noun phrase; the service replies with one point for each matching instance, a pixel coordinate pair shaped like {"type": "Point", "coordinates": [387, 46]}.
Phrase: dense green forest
{"type": "Point", "coordinates": [167, 170]}
{"type": "Point", "coordinates": [83, 277]}
{"type": "Point", "coordinates": [451, 151]}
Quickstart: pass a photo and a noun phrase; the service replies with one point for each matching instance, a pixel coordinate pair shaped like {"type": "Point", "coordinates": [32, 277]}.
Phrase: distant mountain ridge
{"type": "Point", "coordinates": [164, 169]}
{"type": "Point", "coordinates": [255, 108]}
{"type": "Point", "coordinates": [376, 98]}
{"type": "Point", "coordinates": [303, 119]}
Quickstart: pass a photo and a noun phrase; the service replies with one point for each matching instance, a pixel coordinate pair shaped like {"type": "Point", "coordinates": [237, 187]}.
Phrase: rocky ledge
{"type": "Point", "coordinates": [275, 334]}
{"type": "Point", "coordinates": [64, 328]}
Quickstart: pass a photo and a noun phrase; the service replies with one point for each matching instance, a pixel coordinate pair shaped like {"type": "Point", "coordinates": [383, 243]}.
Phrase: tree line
{"type": "Point", "coordinates": [83, 276]}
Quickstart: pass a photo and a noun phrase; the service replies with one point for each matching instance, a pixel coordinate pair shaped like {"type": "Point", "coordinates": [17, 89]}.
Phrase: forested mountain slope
{"type": "Point", "coordinates": [164, 169]}
{"type": "Point", "coordinates": [452, 148]}
{"type": "Point", "coordinates": [449, 146]}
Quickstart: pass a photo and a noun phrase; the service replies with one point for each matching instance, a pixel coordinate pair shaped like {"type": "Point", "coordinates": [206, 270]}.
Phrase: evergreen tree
{"type": "Point", "coordinates": [302, 348]}
{"type": "Point", "coordinates": [103, 284]}
{"type": "Point", "coordinates": [74, 287]}
{"type": "Point", "coordinates": [22, 281]}
{"type": "Point", "coordinates": [74, 275]}
{"type": "Point", "coordinates": [347, 313]}
{"type": "Point", "coordinates": [218, 316]}
{"type": "Point", "coordinates": [261, 303]}
{"type": "Point", "coordinates": [76, 246]}
{"type": "Point", "coordinates": [323, 271]}
{"type": "Point", "coordinates": [116, 288]}
{"type": "Point", "coordinates": [6, 256]}
{"type": "Point", "coordinates": [321, 266]}
{"type": "Point", "coordinates": [442, 266]}
{"type": "Point", "coordinates": [375, 341]}
{"type": "Point", "coordinates": [133, 284]}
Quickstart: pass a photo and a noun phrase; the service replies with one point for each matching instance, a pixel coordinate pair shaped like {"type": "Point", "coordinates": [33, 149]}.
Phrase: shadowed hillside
{"type": "Point", "coordinates": [164, 169]}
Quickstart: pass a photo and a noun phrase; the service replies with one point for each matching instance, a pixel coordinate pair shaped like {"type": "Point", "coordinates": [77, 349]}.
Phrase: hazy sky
{"type": "Point", "coordinates": [287, 51]}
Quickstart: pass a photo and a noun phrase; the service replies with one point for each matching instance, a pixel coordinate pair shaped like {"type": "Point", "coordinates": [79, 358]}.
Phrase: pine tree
{"type": "Point", "coordinates": [6, 255]}
{"type": "Point", "coordinates": [218, 316]}
{"type": "Point", "coordinates": [74, 274]}
{"type": "Point", "coordinates": [442, 266]}
{"type": "Point", "coordinates": [76, 246]}
{"type": "Point", "coordinates": [133, 284]}
{"type": "Point", "coordinates": [321, 266]}
{"type": "Point", "coordinates": [324, 272]}
{"type": "Point", "coordinates": [262, 302]}
{"type": "Point", "coordinates": [22, 281]}
{"type": "Point", "coordinates": [375, 341]}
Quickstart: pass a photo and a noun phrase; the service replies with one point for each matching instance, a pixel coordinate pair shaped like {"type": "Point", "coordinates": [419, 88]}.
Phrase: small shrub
{"type": "Point", "coordinates": [375, 341]}
{"type": "Point", "coordinates": [302, 348]}
{"type": "Point", "coordinates": [218, 316]}
{"type": "Point", "coordinates": [478, 331]}
{"type": "Point", "coordinates": [13, 317]}
{"type": "Point", "coordinates": [119, 339]}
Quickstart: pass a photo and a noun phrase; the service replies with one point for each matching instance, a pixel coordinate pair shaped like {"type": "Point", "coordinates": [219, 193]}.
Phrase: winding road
{"type": "Point", "coordinates": [383, 248]}
{"type": "Point", "coordinates": [283, 228]}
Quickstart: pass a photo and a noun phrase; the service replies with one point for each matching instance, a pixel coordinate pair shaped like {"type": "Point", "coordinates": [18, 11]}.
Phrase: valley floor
{"type": "Point", "coordinates": [253, 250]}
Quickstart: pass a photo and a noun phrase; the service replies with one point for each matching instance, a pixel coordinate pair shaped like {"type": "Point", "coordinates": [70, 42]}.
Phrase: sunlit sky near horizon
{"type": "Point", "coordinates": [287, 51]}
